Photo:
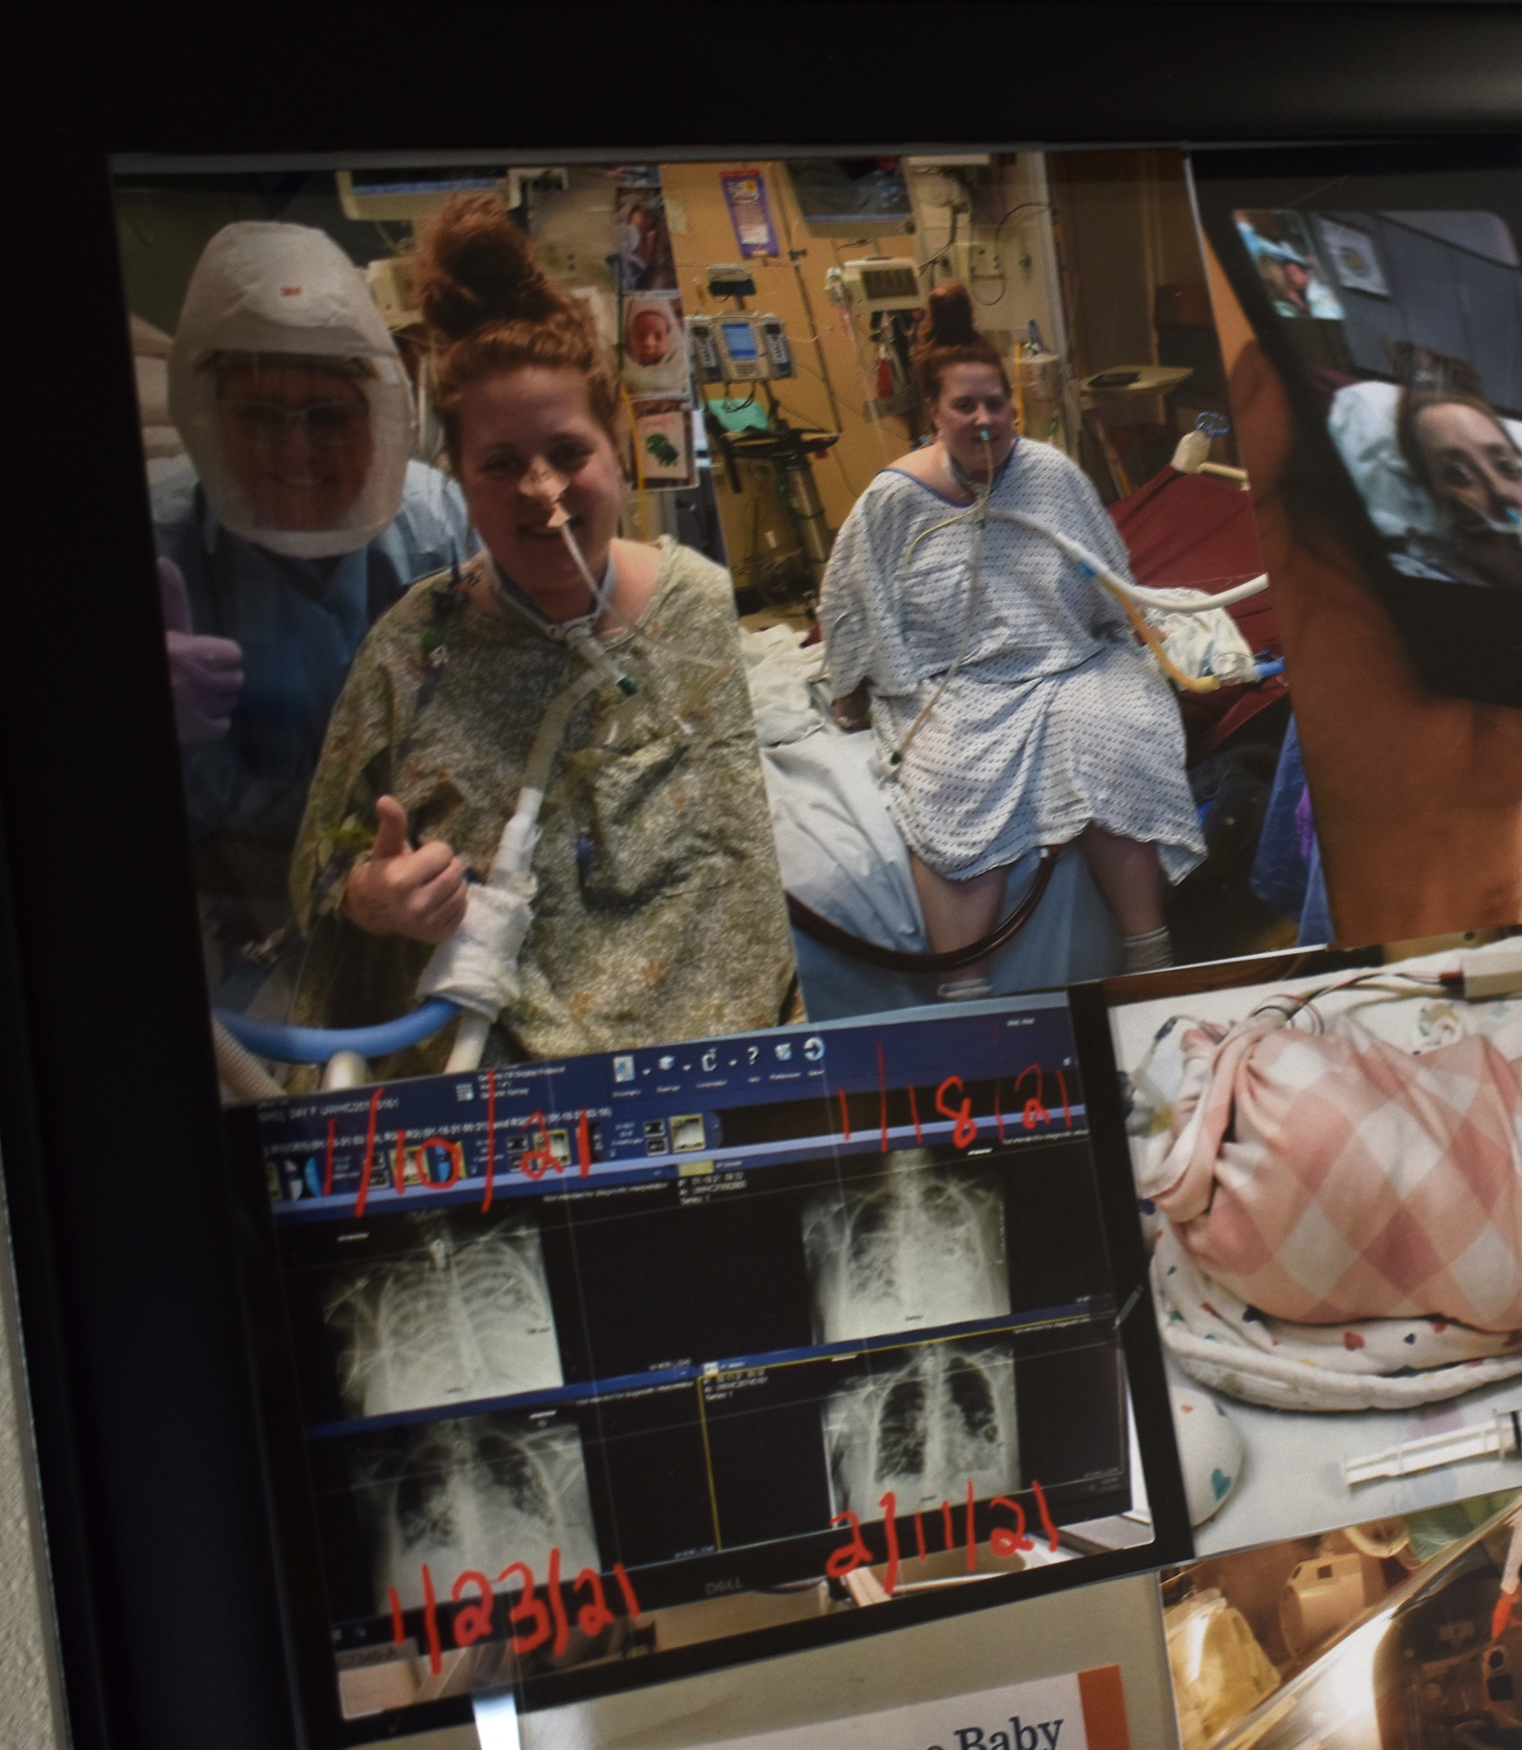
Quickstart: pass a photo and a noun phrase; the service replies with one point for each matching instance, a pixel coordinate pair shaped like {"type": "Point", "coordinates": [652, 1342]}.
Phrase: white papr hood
{"type": "Point", "coordinates": [263, 288]}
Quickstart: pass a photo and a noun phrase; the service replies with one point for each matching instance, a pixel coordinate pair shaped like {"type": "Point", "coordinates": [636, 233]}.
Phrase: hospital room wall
{"type": "Point", "coordinates": [1005, 209]}
{"type": "Point", "coordinates": [701, 234]}
{"type": "Point", "coordinates": [1126, 229]}
{"type": "Point", "coordinates": [1014, 189]}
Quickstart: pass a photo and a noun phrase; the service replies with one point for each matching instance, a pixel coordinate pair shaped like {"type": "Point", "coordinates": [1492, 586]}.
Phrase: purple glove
{"type": "Point", "coordinates": [206, 674]}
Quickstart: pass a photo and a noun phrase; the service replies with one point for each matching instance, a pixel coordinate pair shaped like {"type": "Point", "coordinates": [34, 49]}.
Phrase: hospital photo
{"type": "Point", "coordinates": [614, 603]}
{"type": "Point", "coordinates": [1370, 318]}
{"type": "Point", "coordinates": [1324, 1165]}
{"type": "Point", "coordinates": [1424, 416]}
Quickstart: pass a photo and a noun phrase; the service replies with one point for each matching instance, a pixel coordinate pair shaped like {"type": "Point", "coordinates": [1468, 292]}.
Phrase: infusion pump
{"type": "Point", "coordinates": [880, 282]}
{"type": "Point", "coordinates": [739, 349]}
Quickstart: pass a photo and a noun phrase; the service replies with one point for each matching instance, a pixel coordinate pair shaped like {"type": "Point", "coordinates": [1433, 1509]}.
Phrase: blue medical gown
{"type": "Point", "coordinates": [299, 623]}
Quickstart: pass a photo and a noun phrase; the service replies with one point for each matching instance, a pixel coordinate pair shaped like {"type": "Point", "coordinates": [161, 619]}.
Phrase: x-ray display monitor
{"type": "Point", "coordinates": [619, 1365]}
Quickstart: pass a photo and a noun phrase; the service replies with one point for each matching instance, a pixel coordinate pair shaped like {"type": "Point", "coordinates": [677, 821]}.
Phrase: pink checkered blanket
{"type": "Point", "coordinates": [1329, 1177]}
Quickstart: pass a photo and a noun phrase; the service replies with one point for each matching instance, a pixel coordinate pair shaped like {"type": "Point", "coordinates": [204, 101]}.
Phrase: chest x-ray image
{"type": "Point", "coordinates": [477, 1493]}
{"type": "Point", "coordinates": [913, 1248]}
{"type": "Point", "coordinates": [459, 1311]}
{"type": "Point", "coordinates": [924, 1423]}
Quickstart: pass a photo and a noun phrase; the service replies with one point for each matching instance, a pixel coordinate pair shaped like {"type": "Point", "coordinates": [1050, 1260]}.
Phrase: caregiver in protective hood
{"type": "Point", "coordinates": [289, 393]}
{"type": "Point", "coordinates": [304, 519]}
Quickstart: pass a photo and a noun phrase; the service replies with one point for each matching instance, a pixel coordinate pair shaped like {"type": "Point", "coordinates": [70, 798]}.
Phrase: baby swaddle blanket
{"type": "Point", "coordinates": [1329, 1177]}
{"type": "Point", "coordinates": [1338, 1219]}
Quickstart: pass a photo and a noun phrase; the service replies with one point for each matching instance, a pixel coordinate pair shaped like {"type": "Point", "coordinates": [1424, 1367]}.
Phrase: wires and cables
{"type": "Point", "coordinates": [1019, 207]}
{"type": "Point", "coordinates": [944, 251]}
{"type": "Point", "coordinates": [1129, 595]}
{"type": "Point", "coordinates": [833, 936]}
{"type": "Point", "coordinates": [1393, 984]}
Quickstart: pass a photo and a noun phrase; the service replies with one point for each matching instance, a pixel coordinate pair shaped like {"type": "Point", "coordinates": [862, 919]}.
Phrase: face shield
{"type": "Point", "coordinates": [289, 394]}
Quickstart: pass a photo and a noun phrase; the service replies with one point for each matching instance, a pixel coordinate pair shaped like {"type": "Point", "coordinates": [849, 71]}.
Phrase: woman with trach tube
{"type": "Point", "coordinates": [583, 691]}
{"type": "Point", "coordinates": [1467, 462]}
{"type": "Point", "coordinates": [1011, 706]}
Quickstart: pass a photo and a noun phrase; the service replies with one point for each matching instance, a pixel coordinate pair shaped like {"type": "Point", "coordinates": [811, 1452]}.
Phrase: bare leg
{"type": "Point", "coordinates": [958, 913]}
{"type": "Point", "coordinates": [1129, 876]}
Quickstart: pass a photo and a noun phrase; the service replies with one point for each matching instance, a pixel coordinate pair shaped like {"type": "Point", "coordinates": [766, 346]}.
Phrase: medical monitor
{"type": "Point", "coordinates": [597, 1371]}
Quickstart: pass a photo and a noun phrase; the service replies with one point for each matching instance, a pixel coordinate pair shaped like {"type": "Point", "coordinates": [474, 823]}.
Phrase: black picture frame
{"type": "Point", "coordinates": [145, 1411]}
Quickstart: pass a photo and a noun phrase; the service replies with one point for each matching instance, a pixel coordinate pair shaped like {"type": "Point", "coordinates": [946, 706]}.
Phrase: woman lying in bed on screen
{"type": "Point", "coordinates": [1463, 453]}
{"type": "Point", "coordinates": [1440, 471]}
{"type": "Point", "coordinates": [587, 688]}
{"type": "Point", "coordinates": [1009, 702]}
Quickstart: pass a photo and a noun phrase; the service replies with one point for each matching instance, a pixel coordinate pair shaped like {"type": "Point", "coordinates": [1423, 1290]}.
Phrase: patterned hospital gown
{"type": "Point", "coordinates": [1055, 718]}
{"type": "Point", "coordinates": [660, 913]}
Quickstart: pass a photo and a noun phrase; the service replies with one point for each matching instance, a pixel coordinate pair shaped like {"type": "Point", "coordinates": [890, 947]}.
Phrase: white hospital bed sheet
{"type": "Point", "coordinates": [842, 855]}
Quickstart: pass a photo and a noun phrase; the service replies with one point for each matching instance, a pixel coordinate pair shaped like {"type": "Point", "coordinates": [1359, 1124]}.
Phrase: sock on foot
{"type": "Point", "coordinates": [1148, 953]}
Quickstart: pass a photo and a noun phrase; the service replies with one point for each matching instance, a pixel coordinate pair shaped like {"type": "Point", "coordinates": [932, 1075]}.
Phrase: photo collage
{"type": "Point", "coordinates": [856, 825]}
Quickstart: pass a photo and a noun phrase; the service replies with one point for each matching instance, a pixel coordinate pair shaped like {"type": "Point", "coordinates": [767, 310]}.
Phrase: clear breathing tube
{"type": "Point", "coordinates": [1132, 597]}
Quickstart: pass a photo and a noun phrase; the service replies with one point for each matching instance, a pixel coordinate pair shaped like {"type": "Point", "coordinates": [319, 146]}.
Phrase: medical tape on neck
{"type": "Point", "coordinates": [578, 634]}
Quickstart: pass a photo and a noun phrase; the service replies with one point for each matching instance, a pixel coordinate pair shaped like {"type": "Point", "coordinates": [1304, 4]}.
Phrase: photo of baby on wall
{"type": "Point", "coordinates": [654, 345]}
{"type": "Point", "coordinates": [646, 263]}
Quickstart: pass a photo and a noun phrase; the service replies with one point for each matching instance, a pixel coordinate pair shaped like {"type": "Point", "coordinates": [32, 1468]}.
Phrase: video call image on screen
{"type": "Point", "coordinates": [693, 1331]}
{"type": "Point", "coordinates": [1401, 297]}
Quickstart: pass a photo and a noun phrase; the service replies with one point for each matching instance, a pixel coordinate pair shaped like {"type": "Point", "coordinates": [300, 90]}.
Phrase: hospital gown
{"type": "Point", "coordinates": [660, 912]}
{"type": "Point", "coordinates": [1054, 719]}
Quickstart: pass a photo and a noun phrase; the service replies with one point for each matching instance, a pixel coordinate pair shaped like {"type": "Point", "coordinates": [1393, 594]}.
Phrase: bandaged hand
{"type": "Point", "coordinates": [399, 891]}
{"type": "Point", "coordinates": [205, 674]}
{"type": "Point", "coordinates": [477, 968]}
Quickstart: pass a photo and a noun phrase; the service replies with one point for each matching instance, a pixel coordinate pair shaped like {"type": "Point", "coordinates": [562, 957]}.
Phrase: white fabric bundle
{"type": "Point", "coordinates": [1206, 643]}
{"type": "Point", "coordinates": [780, 673]}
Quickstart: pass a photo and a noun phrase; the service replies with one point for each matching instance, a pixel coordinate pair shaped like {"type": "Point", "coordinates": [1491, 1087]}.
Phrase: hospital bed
{"type": "Point", "coordinates": [842, 856]}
